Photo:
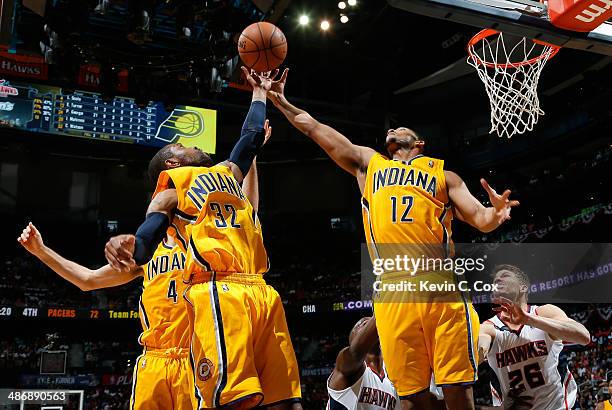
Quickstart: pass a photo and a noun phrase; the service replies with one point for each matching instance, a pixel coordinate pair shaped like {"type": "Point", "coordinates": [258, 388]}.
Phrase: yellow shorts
{"type": "Point", "coordinates": [241, 351]}
{"type": "Point", "coordinates": [162, 380]}
{"type": "Point", "coordinates": [425, 334]}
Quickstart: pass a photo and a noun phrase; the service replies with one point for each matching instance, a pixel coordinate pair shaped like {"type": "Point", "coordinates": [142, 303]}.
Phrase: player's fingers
{"type": "Point", "coordinates": [110, 250]}
{"type": "Point", "coordinates": [513, 203]}
{"type": "Point", "coordinates": [112, 261]}
{"type": "Point", "coordinates": [123, 254]}
{"type": "Point", "coordinates": [506, 194]}
{"type": "Point", "coordinates": [284, 75]}
{"type": "Point", "coordinates": [486, 185]}
{"type": "Point", "coordinates": [128, 265]}
{"type": "Point", "coordinates": [117, 263]}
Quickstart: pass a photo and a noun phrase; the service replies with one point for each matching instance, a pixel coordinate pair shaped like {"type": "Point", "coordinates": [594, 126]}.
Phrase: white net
{"type": "Point", "coordinates": [510, 69]}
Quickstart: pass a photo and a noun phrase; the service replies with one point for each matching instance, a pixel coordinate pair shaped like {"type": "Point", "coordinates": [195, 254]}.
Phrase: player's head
{"type": "Point", "coordinates": [405, 139]}
{"type": "Point", "coordinates": [375, 351]}
{"type": "Point", "coordinates": [174, 156]}
{"type": "Point", "coordinates": [512, 283]}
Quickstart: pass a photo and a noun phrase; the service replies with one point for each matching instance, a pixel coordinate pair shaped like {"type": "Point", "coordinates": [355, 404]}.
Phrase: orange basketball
{"type": "Point", "coordinates": [262, 46]}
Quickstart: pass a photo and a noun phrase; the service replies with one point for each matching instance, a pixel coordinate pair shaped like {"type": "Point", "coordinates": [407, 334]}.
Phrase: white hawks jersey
{"type": "Point", "coordinates": [526, 365]}
{"type": "Point", "coordinates": [372, 391]}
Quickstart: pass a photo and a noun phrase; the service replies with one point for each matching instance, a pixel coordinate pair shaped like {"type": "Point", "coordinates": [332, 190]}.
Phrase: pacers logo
{"type": "Point", "coordinates": [205, 369]}
{"type": "Point", "coordinates": [180, 123]}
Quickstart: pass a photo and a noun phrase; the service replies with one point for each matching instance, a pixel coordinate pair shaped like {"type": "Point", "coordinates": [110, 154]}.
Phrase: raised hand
{"type": "Point", "coordinates": [277, 90]}
{"type": "Point", "coordinates": [31, 239]}
{"type": "Point", "coordinates": [119, 252]}
{"type": "Point", "coordinates": [258, 80]}
{"type": "Point", "coordinates": [501, 203]}
{"type": "Point", "coordinates": [513, 311]}
{"type": "Point", "coordinates": [278, 86]}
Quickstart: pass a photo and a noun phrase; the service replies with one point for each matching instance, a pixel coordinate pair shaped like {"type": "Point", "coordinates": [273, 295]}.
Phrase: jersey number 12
{"type": "Point", "coordinates": [405, 204]}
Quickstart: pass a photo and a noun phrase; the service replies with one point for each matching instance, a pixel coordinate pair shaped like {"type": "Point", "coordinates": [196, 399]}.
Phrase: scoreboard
{"type": "Point", "coordinates": [51, 110]}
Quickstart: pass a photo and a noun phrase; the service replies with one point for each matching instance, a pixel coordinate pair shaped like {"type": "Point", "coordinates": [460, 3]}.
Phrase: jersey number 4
{"type": "Point", "coordinates": [172, 291]}
{"type": "Point", "coordinates": [533, 377]}
{"type": "Point", "coordinates": [405, 204]}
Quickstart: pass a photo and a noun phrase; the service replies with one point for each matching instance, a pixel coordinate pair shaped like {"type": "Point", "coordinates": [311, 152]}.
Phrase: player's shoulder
{"type": "Point", "coordinates": [489, 326]}
{"type": "Point", "coordinates": [489, 323]}
{"type": "Point", "coordinates": [375, 156]}
{"type": "Point", "coordinates": [549, 311]}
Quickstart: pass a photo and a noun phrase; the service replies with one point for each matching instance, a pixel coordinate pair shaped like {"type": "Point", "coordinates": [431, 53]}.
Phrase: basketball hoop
{"type": "Point", "coordinates": [510, 69]}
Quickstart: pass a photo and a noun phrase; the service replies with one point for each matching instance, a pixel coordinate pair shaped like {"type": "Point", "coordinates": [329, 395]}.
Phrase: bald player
{"type": "Point", "coordinates": [359, 380]}
{"type": "Point", "coordinates": [408, 202]}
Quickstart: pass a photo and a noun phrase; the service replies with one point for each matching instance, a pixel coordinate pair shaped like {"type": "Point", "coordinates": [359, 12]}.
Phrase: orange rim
{"type": "Point", "coordinates": [488, 32]}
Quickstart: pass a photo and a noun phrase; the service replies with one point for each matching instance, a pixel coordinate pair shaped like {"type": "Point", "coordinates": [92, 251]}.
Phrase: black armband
{"type": "Point", "coordinates": [149, 235]}
{"type": "Point", "coordinates": [251, 137]}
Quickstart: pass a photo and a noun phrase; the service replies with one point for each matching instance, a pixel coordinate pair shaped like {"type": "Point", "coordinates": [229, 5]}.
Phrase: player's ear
{"type": "Point", "coordinates": [524, 289]}
{"type": "Point", "coordinates": [172, 163]}
{"type": "Point", "coordinates": [419, 144]}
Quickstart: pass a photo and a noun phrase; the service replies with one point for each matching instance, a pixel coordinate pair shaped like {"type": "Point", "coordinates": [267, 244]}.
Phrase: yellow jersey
{"type": "Point", "coordinates": [406, 208]}
{"type": "Point", "coordinates": [608, 405]}
{"type": "Point", "coordinates": [163, 313]}
{"type": "Point", "coordinates": [214, 221]}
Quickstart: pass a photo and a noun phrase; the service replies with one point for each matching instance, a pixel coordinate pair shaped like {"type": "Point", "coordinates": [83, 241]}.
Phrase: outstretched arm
{"type": "Point", "coordinates": [548, 318]}
{"type": "Point", "coordinates": [350, 157]}
{"type": "Point", "coordinates": [470, 210]}
{"type": "Point", "coordinates": [79, 275]}
{"type": "Point", "coordinates": [252, 134]}
{"type": "Point", "coordinates": [350, 361]}
{"type": "Point", "coordinates": [485, 339]}
{"type": "Point", "coordinates": [250, 185]}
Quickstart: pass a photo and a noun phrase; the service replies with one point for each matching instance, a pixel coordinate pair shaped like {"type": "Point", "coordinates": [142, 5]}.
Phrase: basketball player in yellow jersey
{"type": "Point", "coordinates": [241, 351]}
{"type": "Point", "coordinates": [162, 374]}
{"type": "Point", "coordinates": [410, 199]}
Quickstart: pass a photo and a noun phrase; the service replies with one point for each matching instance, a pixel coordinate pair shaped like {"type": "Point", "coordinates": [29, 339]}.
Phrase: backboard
{"type": "Point", "coordinates": [524, 18]}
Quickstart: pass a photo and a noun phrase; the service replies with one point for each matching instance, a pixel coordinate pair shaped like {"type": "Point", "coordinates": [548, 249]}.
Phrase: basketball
{"type": "Point", "coordinates": [262, 46]}
{"type": "Point", "coordinates": [433, 177]}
